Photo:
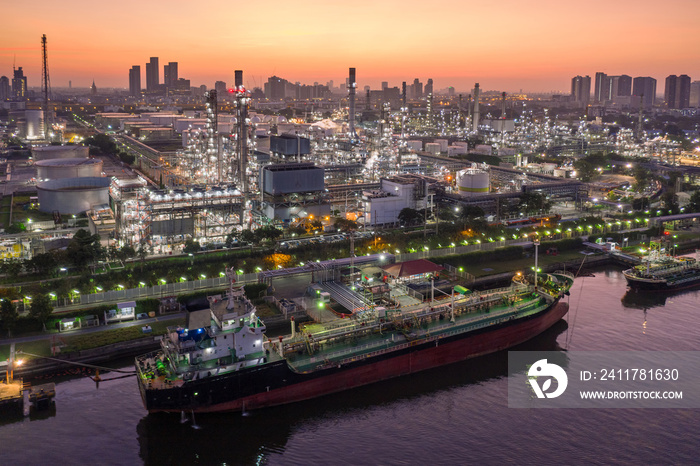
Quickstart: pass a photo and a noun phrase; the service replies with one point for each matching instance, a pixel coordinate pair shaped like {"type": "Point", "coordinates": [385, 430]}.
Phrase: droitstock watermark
{"type": "Point", "coordinates": [604, 379]}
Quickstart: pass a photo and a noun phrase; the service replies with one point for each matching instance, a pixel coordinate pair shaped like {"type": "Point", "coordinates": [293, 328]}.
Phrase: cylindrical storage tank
{"type": "Point", "coordinates": [53, 169]}
{"type": "Point", "coordinates": [415, 145]}
{"type": "Point", "coordinates": [60, 152]}
{"type": "Point", "coordinates": [473, 182]}
{"type": "Point", "coordinates": [432, 148]}
{"type": "Point", "coordinates": [443, 144]}
{"type": "Point", "coordinates": [548, 167]}
{"type": "Point", "coordinates": [34, 124]}
{"type": "Point", "coordinates": [73, 195]}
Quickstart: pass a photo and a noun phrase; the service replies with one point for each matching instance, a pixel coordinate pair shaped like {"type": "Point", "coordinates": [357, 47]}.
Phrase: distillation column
{"type": "Point", "coordinates": [475, 121]}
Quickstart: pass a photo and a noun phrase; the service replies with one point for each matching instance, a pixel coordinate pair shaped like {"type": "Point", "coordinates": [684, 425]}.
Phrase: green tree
{"type": "Point", "coordinates": [585, 170]}
{"type": "Point", "coordinates": [16, 227]}
{"type": "Point", "coordinates": [694, 203]}
{"type": "Point", "coordinates": [343, 224]}
{"type": "Point", "coordinates": [267, 233]}
{"type": "Point", "coordinates": [409, 216]}
{"type": "Point", "coordinates": [534, 202]}
{"type": "Point", "coordinates": [231, 239]}
{"type": "Point", "coordinates": [11, 267]}
{"type": "Point", "coordinates": [191, 246]}
{"type": "Point", "coordinates": [41, 309]}
{"type": "Point", "coordinates": [247, 236]}
{"type": "Point", "coordinates": [44, 264]}
{"type": "Point", "coordinates": [9, 315]}
{"type": "Point", "coordinates": [642, 177]}
{"type": "Point", "coordinates": [84, 249]}
{"type": "Point", "coordinates": [670, 202]}
{"type": "Point", "coordinates": [101, 144]}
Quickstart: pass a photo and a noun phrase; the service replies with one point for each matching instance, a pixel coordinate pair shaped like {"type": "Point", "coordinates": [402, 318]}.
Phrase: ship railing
{"type": "Point", "coordinates": [568, 275]}
{"type": "Point", "coordinates": [437, 331]}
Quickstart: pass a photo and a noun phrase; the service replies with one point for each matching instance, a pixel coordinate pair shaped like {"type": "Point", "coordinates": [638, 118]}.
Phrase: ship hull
{"type": "Point", "coordinates": [645, 284]}
{"type": "Point", "coordinates": [275, 383]}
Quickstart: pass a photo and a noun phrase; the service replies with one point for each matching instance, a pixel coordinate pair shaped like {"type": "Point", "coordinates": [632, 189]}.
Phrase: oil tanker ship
{"type": "Point", "coordinates": [661, 272]}
{"type": "Point", "coordinates": [222, 360]}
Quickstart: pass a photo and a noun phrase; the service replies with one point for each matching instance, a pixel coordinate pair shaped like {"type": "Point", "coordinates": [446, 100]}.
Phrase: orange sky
{"type": "Point", "coordinates": [534, 45]}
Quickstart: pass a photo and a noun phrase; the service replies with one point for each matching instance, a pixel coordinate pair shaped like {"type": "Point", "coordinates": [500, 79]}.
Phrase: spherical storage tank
{"type": "Point", "coordinates": [473, 182]}
{"type": "Point", "coordinates": [53, 169]}
{"type": "Point", "coordinates": [72, 195]}
{"type": "Point", "coordinates": [59, 152]}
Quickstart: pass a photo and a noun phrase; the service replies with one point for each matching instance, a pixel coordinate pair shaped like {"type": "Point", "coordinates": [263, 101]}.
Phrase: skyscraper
{"type": "Point", "coordinates": [581, 89]}
{"type": "Point", "coordinates": [429, 87]}
{"type": "Point", "coordinates": [152, 75]}
{"type": "Point", "coordinates": [677, 91]}
{"type": "Point", "coordinates": [602, 87]}
{"type": "Point", "coordinates": [19, 85]}
{"type": "Point", "coordinates": [221, 90]}
{"type": "Point", "coordinates": [621, 86]}
{"type": "Point", "coordinates": [645, 87]}
{"type": "Point", "coordinates": [170, 75]}
{"type": "Point", "coordinates": [417, 89]}
{"type": "Point", "coordinates": [695, 94]}
{"type": "Point", "coordinates": [5, 91]}
{"type": "Point", "coordinates": [135, 81]}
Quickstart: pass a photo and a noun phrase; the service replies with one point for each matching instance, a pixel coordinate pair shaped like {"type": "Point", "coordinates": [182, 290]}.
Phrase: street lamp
{"type": "Point", "coordinates": [536, 242]}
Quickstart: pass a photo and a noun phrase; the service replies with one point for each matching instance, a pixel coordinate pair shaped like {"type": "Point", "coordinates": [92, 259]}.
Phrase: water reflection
{"type": "Point", "coordinates": [648, 300]}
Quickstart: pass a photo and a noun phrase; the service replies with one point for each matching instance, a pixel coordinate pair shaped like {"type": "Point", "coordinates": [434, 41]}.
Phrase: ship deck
{"type": "Point", "coordinates": [376, 342]}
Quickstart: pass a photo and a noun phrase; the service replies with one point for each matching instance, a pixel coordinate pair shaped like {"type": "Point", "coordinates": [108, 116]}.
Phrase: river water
{"type": "Point", "coordinates": [452, 415]}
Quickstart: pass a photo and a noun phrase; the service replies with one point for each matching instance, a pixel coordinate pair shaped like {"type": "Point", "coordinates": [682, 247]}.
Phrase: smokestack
{"type": "Point", "coordinates": [352, 84]}
{"type": "Point", "coordinates": [503, 115]}
{"type": "Point", "coordinates": [403, 94]}
{"type": "Point", "coordinates": [460, 120]}
{"type": "Point", "coordinates": [475, 122]}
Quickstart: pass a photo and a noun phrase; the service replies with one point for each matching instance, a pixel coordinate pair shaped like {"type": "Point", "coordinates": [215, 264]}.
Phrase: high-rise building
{"type": "Point", "coordinates": [135, 81]}
{"type": "Point", "coordinates": [417, 88]}
{"type": "Point", "coordinates": [170, 76]}
{"type": "Point", "coordinates": [429, 87]}
{"type": "Point", "coordinates": [19, 85]}
{"type": "Point", "coordinates": [5, 91]}
{"type": "Point", "coordinates": [645, 87]}
{"type": "Point", "coordinates": [695, 94]}
{"type": "Point", "coordinates": [152, 75]}
{"type": "Point", "coordinates": [621, 86]}
{"type": "Point", "coordinates": [602, 87]}
{"type": "Point", "coordinates": [275, 88]}
{"type": "Point", "coordinates": [385, 85]}
{"type": "Point", "coordinates": [670, 91]}
{"type": "Point", "coordinates": [581, 89]}
{"type": "Point", "coordinates": [677, 91]}
{"type": "Point", "coordinates": [221, 89]}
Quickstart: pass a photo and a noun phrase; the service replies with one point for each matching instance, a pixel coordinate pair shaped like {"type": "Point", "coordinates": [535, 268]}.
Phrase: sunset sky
{"type": "Point", "coordinates": [535, 45]}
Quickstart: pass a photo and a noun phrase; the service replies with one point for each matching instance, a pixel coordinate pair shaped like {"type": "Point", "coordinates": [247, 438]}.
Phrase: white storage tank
{"type": "Point", "coordinates": [73, 195]}
{"type": "Point", "coordinates": [53, 169]}
{"type": "Point", "coordinates": [456, 150]}
{"type": "Point", "coordinates": [473, 182]}
{"type": "Point", "coordinates": [443, 144]}
{"type": "Point", "coordinates": [432, 148]}
{"type": "Point", "coordinates": [34, 128]}
{"type": "Point", "coordinates": [415, 145]}
{"type": "Point", "coordinates": [548, 167]}
{"type": "Point", "coordinates": [60, 152]}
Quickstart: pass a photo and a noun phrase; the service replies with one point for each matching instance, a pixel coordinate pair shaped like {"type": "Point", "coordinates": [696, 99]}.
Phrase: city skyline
{"type": "Point", "coordinates": [537, 48]}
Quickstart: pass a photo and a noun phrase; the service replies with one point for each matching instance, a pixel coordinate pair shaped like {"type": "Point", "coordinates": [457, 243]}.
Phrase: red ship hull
{"type": "Point", "coordinates": [438, 354]}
